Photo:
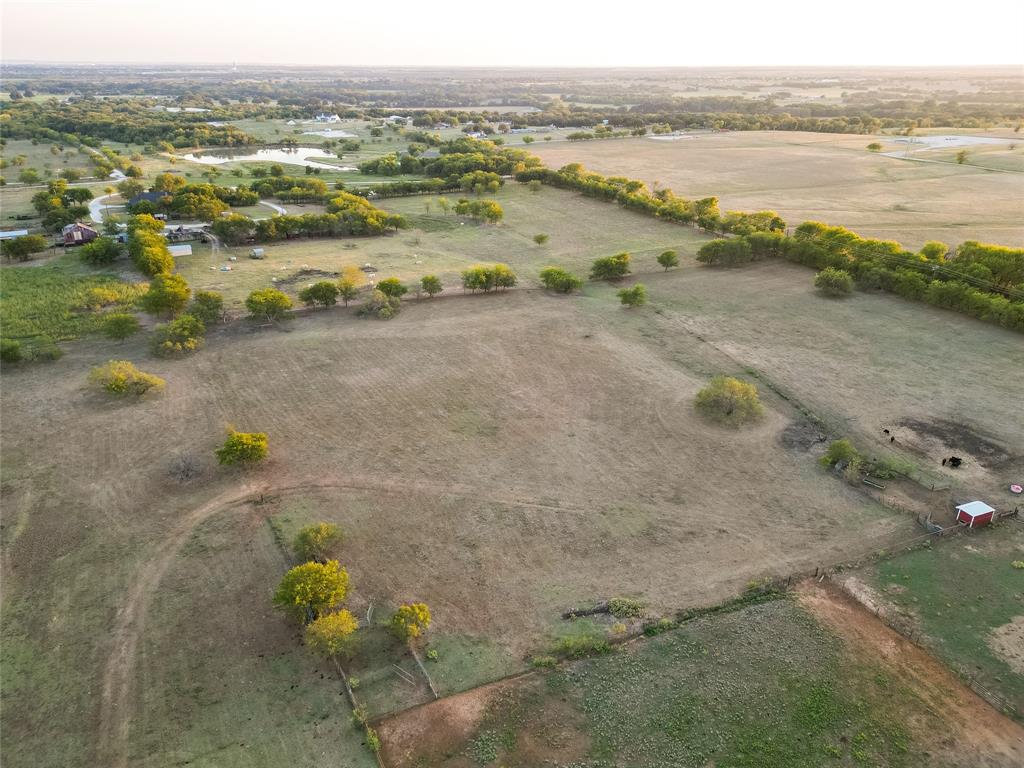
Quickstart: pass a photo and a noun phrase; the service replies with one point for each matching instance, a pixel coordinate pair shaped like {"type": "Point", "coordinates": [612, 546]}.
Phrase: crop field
{"type": "Point", "coordinates": [565, 465]}
{"type": "Point", "coordinates": [967, 600]}
{"type": "Point", "coordinates": [827, 178]}
{"type": "Point", "coordinates": [770, 685]}
{"type": "Point", "coordinates": [580, 230]}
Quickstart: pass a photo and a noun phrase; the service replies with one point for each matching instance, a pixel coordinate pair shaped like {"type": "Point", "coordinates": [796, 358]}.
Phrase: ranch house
{"type": "Point", "coordinates": [974, 514]}
{"type": "Point", "coordinates": [78, 234]}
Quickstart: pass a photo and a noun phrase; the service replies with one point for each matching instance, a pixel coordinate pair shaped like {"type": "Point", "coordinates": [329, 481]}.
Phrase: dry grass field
{"type": "Point", "coordinates": [500, 457]}
{"type": "Point", "coordinates": [824, 177]}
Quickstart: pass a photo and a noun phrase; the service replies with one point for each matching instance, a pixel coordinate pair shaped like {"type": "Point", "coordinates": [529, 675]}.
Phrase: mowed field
{"type": "Point", "coordinates": [500, 457]}
{"type": "Point", "coordinates": [831, 178]}
{"type": "Point", "coordinates": [580, 230]}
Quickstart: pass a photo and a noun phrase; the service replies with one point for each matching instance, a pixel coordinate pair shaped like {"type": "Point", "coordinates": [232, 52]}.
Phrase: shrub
{"type": "Point", "coordinates": [729, 400]}
{"type": "Point", "coordinates": [578, 646]}
{"type": "Point", "coordinates": [267, 303]}
{"type": "Point", "coordinates": [45, 349]}
{"type": "Point", "coordinates": [834, 282]}
{"type": "Point", "coordinates": [557, 279]}
{"type": "Point", "coordinates": [10, 351]}
{"type": "Point", "coordinates": [314, 541]}
{"type": "Point", "coordinates": [100, 296]}
{"type": "Point", "coordinates": [839, 451]}
{"type": "Point", "coordinates": [633, 297]}
{"type": "Point", "coordinates": [168, 294]}
{"type": "Point", "coordinates": [874, 146]}
{"type": "Point", "coordinates": [487, 277]}
{"type": "Point", "coordinates": [610, 267]}
{"type": "Point", "coordinates": [324, 293]}
{"type": "Point", "coordinates": [544, 662]}
{"type": "Point", "coordinates": [431, 285]}
{"type": "Point", "coordinates": [243, 448]}
{"type": "Point", "coordinates": [392, 287]}
{"type": "Point", "coordinates": [120, 325]}
{"type": "Point", "coordinates": [433, 655]}
{"type": "Point", "coordinates": [120, 377]}
{"type": "Point", "coordinates": [541, 238]}
{"type": "Point", "coordinates": [668, 259]}
{"type": "Point", "coordinates": [410, 621]}
{"type": "Point", "coordinates": [625, 607]}
{"type": "Point", "coordinates": [380, 305]}
{"type": "Point", "coordinates": [659, 627]}
{"type": "Point", "coordinates": [182, 335]}
{"type": "Point", "coordinates": [21, 248]}
{"type": "Point", "coordinates": [372, 740]}
{"type": "Point", "coordinates": [207, 306]}
{"type": "Point", "coordinates": [100, 252]}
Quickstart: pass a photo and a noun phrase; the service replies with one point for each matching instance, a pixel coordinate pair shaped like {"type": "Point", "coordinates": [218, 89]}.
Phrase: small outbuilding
{"type": "Point", "coordinates": [975, 514]}
{"type": "Point", "coordinates": [180, 250]}
{"type": "Point", "coordinates": [78, 234]}
{"type": "Point", "coordinates": [257, 253]}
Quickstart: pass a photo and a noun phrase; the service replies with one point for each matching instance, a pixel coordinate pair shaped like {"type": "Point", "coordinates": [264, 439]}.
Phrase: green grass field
{"type": "Point", "coordinates": [964, 595]}
{"type": "Point", "coordinates": [47, 300]}
{"type": "Point", "coordinates": [580, 230]}
{"type": "Point", "coordinates": [765, 686]}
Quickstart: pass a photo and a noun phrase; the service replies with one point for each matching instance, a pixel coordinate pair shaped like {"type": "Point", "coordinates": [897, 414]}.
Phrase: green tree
{"type": "Point", "coordinates": [961, 157]}
{"type": "Point", "coordinates": [311, 589]}
{"type": "Point", "coordinates": [21, 248]}
{"type": "Point", "coordinates": [431, 285]}
{"type": "Point", "coordinates": [610, 267]}
{"type": "Point", "coordinates": [234, 228]}
{"type": "Point", "coordinates": [207, 306]}
{"type": "Point", "coordinates": [29, 176]}
{"type": "Point", "coordinates": [268, 304]}
{"type": "Point", "coordinates": [380, 305]}
{"type": "Point", "coordinates": [120, 377]}
{"type": "Point", "coordinates": [168, 294]}
{"type": "Point", "coordinates": [100, 252]}
{"type": "Point", "coordinates": [875, 147]}
{"type": "Point", "coordinates": [10, 350]}
{"type": "Point", "coordinates": [410, 621]}
{"type": "Point", "coordinates": [540, 239]}
{"type": "Point", "coordinates": [834, 282]}
{"type": "Point", "coordinates": [243, 448]}
{"type": "Point", "coordinates": [726, 253]}
{"type": "Point", "coordinates": [557, 279]}
{"type": "Point", "coordinates": [168, 182]}
{"type": "Point", "coordinates": [934, 250]}
{"type": "Point", "coordinates": [120, 325]}
{"type": "Point", "coordinates": [332, 634]}
{"type": "Point", "coordinates": [444, 204]}
{"type": "Point", "coordinates": [633, 297]}
{"type": "Point", "coordinates": [347, 290]}
{"type": "Point", "coordinates": [314, 542]}
{"type": "Point", "coordinates": [392, 287]}
{"type": "Point", "coordinates": [323, 293]}
{"type": "Point", "coordinates": [729, 400]}
{"type": "Point", "coordinates": [839, 451]}
{"type": "Point", "coordinates": [668, 259]}
{"type": "Point", "coordinates": [129, 188]}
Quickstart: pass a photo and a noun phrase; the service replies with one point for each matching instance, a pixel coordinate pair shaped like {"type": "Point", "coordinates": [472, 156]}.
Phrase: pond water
{"type": "Point", "coordinates": [946, 142]}
{"type": "Point", "coordinates": [330, 133]}
{"type": "Point", "coordinates": [307, 156]}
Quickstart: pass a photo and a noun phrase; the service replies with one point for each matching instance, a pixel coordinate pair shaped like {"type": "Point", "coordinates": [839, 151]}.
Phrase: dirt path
{"type": "Point", "coordinates": [977, 734]}
{"type": "Point", "coordinates": [119, 676]}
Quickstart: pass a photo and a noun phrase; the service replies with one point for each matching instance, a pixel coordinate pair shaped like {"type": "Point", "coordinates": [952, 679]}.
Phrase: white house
{"type": "Point", "coordinates": [323, 117]}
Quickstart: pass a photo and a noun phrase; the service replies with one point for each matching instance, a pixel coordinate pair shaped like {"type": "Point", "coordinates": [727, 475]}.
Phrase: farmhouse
{"type": "Point", "coordinates": [323, 117]}
{"type": "Point", "coordinates": [78, 234]}
{"type": "Point", "coordinates": [974, 514]}
{"type": "Point", "coordinates": [10, 234]}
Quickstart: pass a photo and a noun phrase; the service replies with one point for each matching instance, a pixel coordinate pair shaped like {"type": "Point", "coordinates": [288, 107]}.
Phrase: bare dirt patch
{"type": "Point", "coordinates": [977, 734]}
{"type": "Point", "coordinates": [941, 438]}
{"type": "Point", "coordinates": [1007, 642]}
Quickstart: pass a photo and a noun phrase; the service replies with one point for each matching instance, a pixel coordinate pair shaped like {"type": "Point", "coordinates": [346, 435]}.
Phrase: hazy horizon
{"type": "Point", "coordinates": [793, 33]}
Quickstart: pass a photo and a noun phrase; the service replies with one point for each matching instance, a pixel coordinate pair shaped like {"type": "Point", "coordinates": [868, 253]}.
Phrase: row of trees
{"type": "Point", "coordinates": [662, 203]}
{"type": "Point", "coordinates": [979, 280]}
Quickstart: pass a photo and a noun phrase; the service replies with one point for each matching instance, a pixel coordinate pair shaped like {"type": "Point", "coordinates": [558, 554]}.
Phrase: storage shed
{"type": "Point", "coordinates": [974, 514]}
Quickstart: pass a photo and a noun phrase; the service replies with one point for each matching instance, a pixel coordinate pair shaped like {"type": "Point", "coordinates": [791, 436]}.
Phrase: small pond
{"type": "Point", "coordinates": [307, 156]}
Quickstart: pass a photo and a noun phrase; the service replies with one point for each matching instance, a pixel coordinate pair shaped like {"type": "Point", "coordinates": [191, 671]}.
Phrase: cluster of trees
{"type": "Point", "coordinates": [125, 120]}
{"type": "Point", "coordinates": [980, 280]}
{"type": "Point", "coordinates": [488, 277]}
{"type": "Point", "coordinates": [558, 279]}
{"type": "Point", "coordinates": [148, 247]}
{"type": "Point", "coordinates": [204, 202]}
{"type": "Point", "coordinates": [120, 377]}
{"type": "Point", "coordinates": [60, 205]}
{"type": "Point", "coordinates": [295, 189]}
{"type": "Point", "coordinates": [662, 203]}
{"type": "Point", "coordinates": [22, 248]}
{"type": "Point", "coordinates": [487, 210]}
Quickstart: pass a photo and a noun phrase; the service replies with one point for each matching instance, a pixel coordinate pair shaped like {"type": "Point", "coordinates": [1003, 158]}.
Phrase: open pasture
{"type": "Point", "coordinates": [501, 457]}
{"type": "Point", "coordinates": [831, 178]}
{"type": "Point", "coordinates": [580, 230]}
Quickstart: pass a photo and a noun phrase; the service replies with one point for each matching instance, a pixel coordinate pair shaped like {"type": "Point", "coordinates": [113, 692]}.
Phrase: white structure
{"type": "Point", "coordinates": [10, 234]}
{"type": "Point", "coordinates": [974, 514]}
{"type": "Point", "coordinates": [180, 250]}
{"type": "Point", "coordinates": [323, 117]}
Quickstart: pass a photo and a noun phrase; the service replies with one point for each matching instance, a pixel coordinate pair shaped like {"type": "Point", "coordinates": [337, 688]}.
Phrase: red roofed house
{"type": "Point", "coordinates": [974, 514]}
{"type": "Point", "coordinates": [78, 234]}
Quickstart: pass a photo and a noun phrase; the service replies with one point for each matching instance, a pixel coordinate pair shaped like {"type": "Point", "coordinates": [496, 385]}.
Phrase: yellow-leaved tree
{"type": "Point", "coordinates": [410, 621]}
{"type": "Point", "coordinates": [332, 634]}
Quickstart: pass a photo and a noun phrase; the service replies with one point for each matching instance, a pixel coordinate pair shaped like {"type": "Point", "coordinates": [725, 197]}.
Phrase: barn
{"type": "Point", "coordinates": [78, 234]}
{"type": "Point", "coordinates": [974, 514]}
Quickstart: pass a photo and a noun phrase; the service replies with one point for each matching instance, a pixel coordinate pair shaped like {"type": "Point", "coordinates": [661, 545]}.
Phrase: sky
{"type": "Point", "coordinates": [516, 33]}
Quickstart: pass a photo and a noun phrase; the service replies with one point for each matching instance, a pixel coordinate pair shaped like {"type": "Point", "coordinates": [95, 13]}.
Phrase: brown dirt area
{"type": "Point", "coordinates": [1007, 642]}
{"type": "Point", "coordinates": [978, 736]}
